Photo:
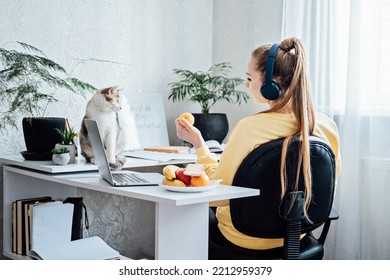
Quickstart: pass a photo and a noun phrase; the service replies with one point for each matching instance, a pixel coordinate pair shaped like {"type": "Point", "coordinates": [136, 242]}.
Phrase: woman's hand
{"type": "Point", "coordinates": [187, 132]}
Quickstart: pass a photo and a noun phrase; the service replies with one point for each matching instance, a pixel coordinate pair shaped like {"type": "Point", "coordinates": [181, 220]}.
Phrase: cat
{"type": "Point", "coordinates": [109, 107]}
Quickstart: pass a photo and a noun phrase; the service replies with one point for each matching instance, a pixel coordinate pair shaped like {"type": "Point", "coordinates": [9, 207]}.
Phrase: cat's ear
{"type": "Point", "coordinates": [105, 90]}
{"type": "Point", "coordinates": [109, 90]}
{"type": "Point", "coordinates": [114, 89]}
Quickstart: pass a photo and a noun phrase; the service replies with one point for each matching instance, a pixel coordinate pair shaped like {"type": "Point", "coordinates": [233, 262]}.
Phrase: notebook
{"type": "Point", "coordinates": [115, 178]}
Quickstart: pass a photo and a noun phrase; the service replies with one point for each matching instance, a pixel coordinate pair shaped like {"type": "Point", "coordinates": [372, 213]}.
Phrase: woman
{"type": "Point", "coordinates": [277, 76]}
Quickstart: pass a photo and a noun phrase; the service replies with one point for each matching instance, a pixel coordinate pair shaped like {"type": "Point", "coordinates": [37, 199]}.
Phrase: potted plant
{"type": "Point", "coordinates": [60, 156]}
{"type": "Point", "coordinates": [68, 135]}
{"type": "Point", "coordinates": [208, 88]}
{"type": "Point", "coordinates": [29, 83]}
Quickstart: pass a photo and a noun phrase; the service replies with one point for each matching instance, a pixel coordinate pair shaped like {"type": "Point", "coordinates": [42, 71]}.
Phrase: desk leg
{"type": "Point", "coordinates": [182, 232]}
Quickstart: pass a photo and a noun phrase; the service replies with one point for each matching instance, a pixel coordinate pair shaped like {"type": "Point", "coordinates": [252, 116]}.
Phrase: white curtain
{"type": "Point", "coordinates": [348, 48]}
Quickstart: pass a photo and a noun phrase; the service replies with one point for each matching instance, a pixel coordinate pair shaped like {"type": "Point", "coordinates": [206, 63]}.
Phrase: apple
{"type": "Point", "coordinates": [186, 179]}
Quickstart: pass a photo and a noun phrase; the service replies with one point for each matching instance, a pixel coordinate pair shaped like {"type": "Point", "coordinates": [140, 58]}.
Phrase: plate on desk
{"type": "Point", "coordinates": [213, 184]}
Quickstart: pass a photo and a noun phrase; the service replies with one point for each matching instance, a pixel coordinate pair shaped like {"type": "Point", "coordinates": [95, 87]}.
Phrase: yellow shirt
{"type": "Point", "coordinates": [248, 134]}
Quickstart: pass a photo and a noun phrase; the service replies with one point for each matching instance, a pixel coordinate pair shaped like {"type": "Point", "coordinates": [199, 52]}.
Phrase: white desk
{"type": "Point", "coordinates": [181, 219]}
{"type": "Point", "coordinates": [81, 164]}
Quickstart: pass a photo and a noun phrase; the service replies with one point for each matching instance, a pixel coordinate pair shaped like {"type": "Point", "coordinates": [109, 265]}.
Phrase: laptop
{"type": "Point", "coordinates": [115, 178]}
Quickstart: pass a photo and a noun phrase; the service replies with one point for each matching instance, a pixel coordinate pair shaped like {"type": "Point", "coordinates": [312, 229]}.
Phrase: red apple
{"type": "Point", "coordinates": [186, 179]}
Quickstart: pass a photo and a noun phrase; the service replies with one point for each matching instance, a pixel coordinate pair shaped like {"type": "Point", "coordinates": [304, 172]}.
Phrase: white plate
{"type": "Point", "coordinates": [212, 185]}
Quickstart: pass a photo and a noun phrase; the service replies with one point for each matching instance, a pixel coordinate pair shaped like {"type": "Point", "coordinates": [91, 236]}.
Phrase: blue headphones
{"type": "Point", "coordinates": [270, 89]}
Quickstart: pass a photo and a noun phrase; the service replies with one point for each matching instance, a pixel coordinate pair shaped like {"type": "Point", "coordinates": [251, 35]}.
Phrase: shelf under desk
{"type": "Point", "coordinates": [181, 219]}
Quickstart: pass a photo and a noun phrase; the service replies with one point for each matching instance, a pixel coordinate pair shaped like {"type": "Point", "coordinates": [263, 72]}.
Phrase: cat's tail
{"type": "Point", "coordinates": [85, 143]}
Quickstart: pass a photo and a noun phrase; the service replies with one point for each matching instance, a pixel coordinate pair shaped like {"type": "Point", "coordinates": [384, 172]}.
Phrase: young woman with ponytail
{"type": "Point", "coordinates": [291, 113]}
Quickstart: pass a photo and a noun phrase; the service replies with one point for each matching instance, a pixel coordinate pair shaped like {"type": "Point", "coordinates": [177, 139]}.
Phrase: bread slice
{"type": "Point", "coordinates": [194, 169]}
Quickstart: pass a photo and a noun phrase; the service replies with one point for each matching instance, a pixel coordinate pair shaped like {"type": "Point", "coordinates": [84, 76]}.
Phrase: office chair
{"type": "Point", "coordinates": [265, 216]}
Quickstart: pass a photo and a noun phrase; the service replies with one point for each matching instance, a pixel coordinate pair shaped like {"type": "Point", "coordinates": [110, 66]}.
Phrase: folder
{"type": "Point", "coordinates": [51, 224]}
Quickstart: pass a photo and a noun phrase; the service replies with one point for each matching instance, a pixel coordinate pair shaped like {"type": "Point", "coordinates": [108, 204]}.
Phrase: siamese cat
{"type": "Point", "coordinates": [110, 110]}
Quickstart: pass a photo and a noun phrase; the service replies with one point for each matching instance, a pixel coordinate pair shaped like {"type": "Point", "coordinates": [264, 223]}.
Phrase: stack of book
{"type": "Point", "coordinates": [42, 229]}
{"type": "Point", "coordinates": [22, 222]}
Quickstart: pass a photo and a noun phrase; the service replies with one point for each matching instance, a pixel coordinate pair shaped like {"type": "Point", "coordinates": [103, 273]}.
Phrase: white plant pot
{"type": "Point", "coordinates": [61, 159]}
{"type": "Point", "coordinates": [72, 151]}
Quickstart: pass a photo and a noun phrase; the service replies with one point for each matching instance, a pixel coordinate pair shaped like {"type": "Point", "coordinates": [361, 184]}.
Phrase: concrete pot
{"type": "Point", "coordinates": [72, 151]}
{"type": "Point", "coordinates": [61, 159]}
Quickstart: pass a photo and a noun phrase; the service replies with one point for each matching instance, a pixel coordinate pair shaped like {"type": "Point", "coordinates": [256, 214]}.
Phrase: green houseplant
{"type": "Point", "coordinates": [61, 150]}
{"type": "Point", "coordinates": [29, 82]}
{"type": "Point", "coordinates": [206, 89]}
{"type": "Point", "coordinates": [68, 135]}
{"type": "Point", "coordinates": [60, 156]}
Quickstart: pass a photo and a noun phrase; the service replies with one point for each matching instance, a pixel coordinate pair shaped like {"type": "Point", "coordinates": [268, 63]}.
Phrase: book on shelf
{"type": "Point", "coordinates": [89, 248]}
{"type": "Point", "coordinates": [20, 222]}
{"type": "Point", "coordinates": [14, 227]}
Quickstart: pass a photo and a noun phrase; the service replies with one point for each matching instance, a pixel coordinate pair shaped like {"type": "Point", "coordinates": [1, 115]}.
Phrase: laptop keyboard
{"type": "Point", "coordinates": [128, 178]}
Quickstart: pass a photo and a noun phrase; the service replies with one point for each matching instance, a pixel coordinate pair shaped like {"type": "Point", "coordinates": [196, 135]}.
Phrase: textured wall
{"type": "Point", "coordinates": [148, 38]}
{"type": "Point", "coordinates": [126, 224]}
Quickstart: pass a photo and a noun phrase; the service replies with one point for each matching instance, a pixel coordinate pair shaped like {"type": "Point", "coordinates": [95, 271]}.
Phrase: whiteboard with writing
{"type": "Point", "coordinates": [149, 116]}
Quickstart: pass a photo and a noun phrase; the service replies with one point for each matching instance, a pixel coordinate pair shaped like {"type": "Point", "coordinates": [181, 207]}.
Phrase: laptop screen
{"type": "Point", "coordinates": [98, 150]}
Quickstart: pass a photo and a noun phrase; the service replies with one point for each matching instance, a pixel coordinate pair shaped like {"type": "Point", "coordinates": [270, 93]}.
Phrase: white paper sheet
{"type": "Point", "coordinates": [159, 156]}
{"type": "Point", "coordinates": [90, 248]}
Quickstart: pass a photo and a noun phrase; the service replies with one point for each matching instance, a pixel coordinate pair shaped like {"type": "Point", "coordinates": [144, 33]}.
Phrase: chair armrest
{"type": "Point", "coordinates": [332, 216]}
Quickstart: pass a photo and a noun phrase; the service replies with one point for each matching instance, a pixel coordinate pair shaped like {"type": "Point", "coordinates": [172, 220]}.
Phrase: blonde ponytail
{"type": "Point", "coordinates": [290, 72]}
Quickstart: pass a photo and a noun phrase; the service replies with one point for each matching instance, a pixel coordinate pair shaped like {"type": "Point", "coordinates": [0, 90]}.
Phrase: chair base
{"type": "Point", "coordinates": [310, 248]}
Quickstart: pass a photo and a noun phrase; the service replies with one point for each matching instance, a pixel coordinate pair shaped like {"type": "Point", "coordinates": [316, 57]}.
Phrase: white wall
{"type": "Point", "coordinates": [148, 37]}
{"type": "Point", "coordinates": [239, 27]}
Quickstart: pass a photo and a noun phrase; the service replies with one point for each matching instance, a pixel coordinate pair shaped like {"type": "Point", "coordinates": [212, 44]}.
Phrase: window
{"type": "Point", "coordinates": [369, 76]}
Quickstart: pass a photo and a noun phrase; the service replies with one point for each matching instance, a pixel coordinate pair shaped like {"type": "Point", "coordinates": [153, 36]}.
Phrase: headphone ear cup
{"type": "Point", "coordinates": [270, 91]}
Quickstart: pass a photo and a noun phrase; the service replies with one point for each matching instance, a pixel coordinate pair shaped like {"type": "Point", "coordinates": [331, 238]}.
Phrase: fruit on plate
{"type": "Point", "coordinates": [186, 179]}
{"type": "Point", "coordinates": [169, 171]}
{"type": "Point", "coordinates": [191, 176]}
{"type": "Point", "coordinates": [173, 183]}
{"type": "Point", "coordinates": [200, 181]}
{"type": "Point", "coordinates": [189, 117]}
{"type": "Point", "coordinates": [170, 178]}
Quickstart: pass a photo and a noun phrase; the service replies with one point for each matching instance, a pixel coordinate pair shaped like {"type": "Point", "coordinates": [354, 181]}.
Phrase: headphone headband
{"type": "Point", "coordinates": [269, 68]}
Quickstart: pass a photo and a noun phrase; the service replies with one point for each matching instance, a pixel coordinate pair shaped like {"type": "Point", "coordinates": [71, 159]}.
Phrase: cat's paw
{"type": "Point", "coordinates": [116, 165]}
{"type": "Point", "coordinates": [121, 159]}
{"type": "Point", "coordinates": [92, 160]}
